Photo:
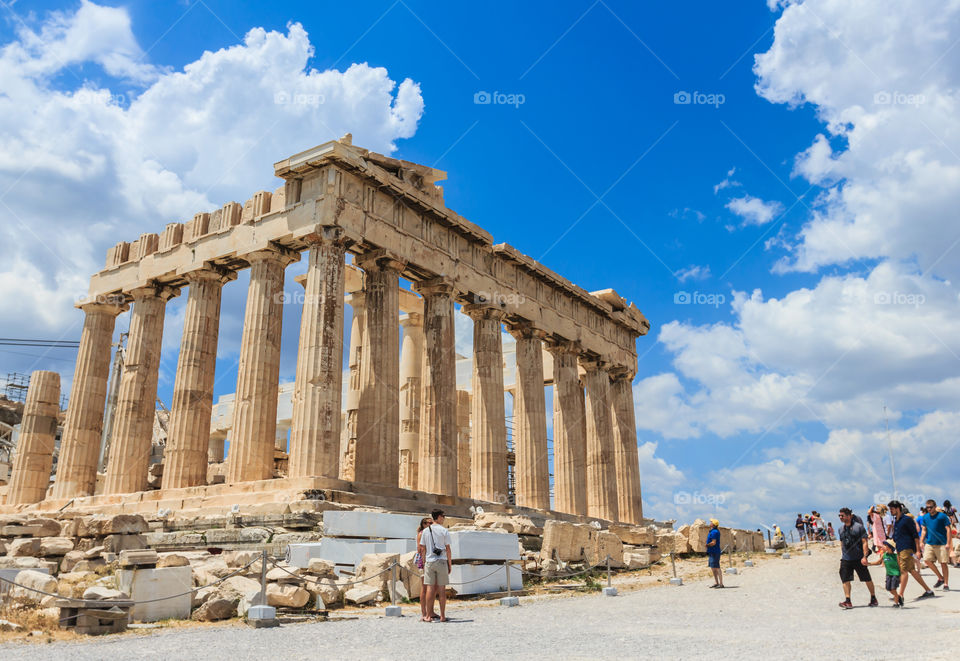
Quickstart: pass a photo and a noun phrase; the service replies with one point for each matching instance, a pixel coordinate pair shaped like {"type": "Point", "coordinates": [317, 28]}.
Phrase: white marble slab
{"type": "Point", "coordinates": [484, 545]}
{"type": "Point", "coordinates": [481, 579]}
{"type": "Point", "coordinates": [370, 524]}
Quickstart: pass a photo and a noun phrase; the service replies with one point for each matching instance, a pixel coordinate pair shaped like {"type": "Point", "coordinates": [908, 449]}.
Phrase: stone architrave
{"type": "Point", "coordinates": [463, 443]}
{"type": "Point", "coordinates": [377, 449]}
{"type": "Point", "coordinates": [38, 430]}
{"type": "Point", "coordinates": [438, 399]}
{"type": "Point", "coordinates": [626, 456]}
{"type": "Point", "coordinates": [601, 476]}
{"type": "Point", "coordinates": [569, 444]}
{"type": "Point", "coordinates": [132, 433]}
{"type": "Point", "coordinates": [83, 428]}
{"type": "Point", "coordinates": [488, 446]}
{"type": "Point", "coordinates": [411, 363]}
{"type": "Point", "coordinates": [532, 478]}
{"type": "Point", "coordinates": [315, 431]}
{"type": "Point", "coordinates": [188, 437]}
{"type": "Point", "coordinates": [253, 435]}
{"type": "Point", "coordinates": [348, 440]}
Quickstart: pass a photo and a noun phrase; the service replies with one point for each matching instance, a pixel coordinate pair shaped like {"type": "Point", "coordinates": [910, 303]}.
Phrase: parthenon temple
{"type": "Point", "coordinates": [367, 223]}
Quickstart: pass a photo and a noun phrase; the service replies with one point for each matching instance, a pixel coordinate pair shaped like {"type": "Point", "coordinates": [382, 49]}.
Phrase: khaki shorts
{"type": "Point", "coordinates": [936, 553]}
{"type": "Point", "coordinates": [905, 559]}
{"type": "Point", "coordinates": [436, 573]}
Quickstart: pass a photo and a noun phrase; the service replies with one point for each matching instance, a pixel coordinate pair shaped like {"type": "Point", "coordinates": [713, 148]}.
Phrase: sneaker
{"type": "Point", "coordinates": [873, 602]}
{"type": "Point", "coordinates": [938, 584]}
{"type": "Point", "coordinates": [946, 588]}
{"type": "Point", "coordinates": [926, 595]}
{"type": "Point", "coordinates": [898, 602]}
{"type": "Point", "coordinates": [846, 605]}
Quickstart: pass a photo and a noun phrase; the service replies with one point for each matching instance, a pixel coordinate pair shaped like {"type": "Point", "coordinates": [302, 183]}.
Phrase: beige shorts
{"type": "Point", "coordinates": [436, 573]}
{"type": "Point", "coordinates": [936, 553]}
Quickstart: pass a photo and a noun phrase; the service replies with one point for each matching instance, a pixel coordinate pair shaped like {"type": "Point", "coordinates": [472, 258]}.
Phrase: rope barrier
{"type": "Point", "coordinates": [476, 580]}
{"type": "Point", "coordinates": [339, 585]}
{"type": "Point", "coordinates": [146, 601]}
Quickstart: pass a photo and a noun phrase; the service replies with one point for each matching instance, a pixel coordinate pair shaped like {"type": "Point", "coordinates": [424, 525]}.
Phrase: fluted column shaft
{"type": "Point", "coordinates": [378, 423]}
{"type": "Point", "coordinates": [532, 480]}
{"type": "Point", "coordinates": [488, 447]}
{"type": "Point", "coordinates": [254, 429]}
{"type": "Point", "coordinates": [38, 430]}
{"type": "Point", "coordinates": [83, 427]}
{"type": "Point", "coordinates": [348, 441]}
{"type": "Point", "coordinates": [601, 477]}
{"type": "Point", "coordinates": [569, 444]}
{"type": "Point", "coordinates": [463, 443]}
{"type": "Point", "coordinates": [188, 438]}
{"type": "Point", "coordinates": [411, 364]}
{"type": "Point", "coordinates": [438, 399]}
{"type": "Point", "coordinates": [132, 433]}
{"type": "Point", "coordinates": [315, 431]}
{"type": "Point", "coordinates": [626, 457]}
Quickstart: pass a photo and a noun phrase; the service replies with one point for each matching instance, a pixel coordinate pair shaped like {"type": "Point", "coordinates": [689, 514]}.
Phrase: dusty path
{"type": "Point", "coordinates": [779, 609]}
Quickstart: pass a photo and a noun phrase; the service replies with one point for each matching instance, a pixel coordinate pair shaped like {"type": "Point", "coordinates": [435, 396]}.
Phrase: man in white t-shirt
{"type": "Point", "coordinates": [437, 563]}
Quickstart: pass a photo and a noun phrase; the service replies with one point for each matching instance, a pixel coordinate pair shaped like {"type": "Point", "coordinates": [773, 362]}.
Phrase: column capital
{"type": "Point", "coordinates": [283, 256]}
{"type": "Point", "coordinates": [434, 287]}
{"type": "Point", "coordinates": [563, 346]}
{"type": "Point", "coordinates": [210, 272]}
{"type": "Point", "coordinates": [112, 304]}
{"type": "Point", "coordinates": [356, 299]}
{"type": "Point", "coordinates": [327, 234]}
{"type": "Point", "coordinates": [621, 373]}
{"type": "Point", "coordinates": [524, 330]}
{"type": "Point", "coordinates": [478, 311]}
{"type": "Point", "coordinates": [383, 260]}
{"type": "Point", "coordinates": [411, 319]}
{"type": "Point", "coordinates": [591, 363]}
{"type": "Point", "coordinates": [154, 290]}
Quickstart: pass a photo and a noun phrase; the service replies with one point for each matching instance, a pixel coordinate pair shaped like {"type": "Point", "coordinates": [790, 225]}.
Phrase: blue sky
{"type": "Point", "coordinates": [766, 384]}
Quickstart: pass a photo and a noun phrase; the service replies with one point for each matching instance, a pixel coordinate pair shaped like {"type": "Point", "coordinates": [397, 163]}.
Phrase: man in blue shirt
{"type": "Point", "coordinates": [907, 540]}
{"type": "Point", "coordinates": [937, 540]}
{"type": "Point", "coordinates": [713, 553]}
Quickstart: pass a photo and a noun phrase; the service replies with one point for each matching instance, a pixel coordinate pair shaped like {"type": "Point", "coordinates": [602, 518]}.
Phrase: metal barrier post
{"type": "Point", "coordinates": [262, 615]}
{"type": "Point", "coordinates": [676, 580]}
{"type": "Point", "coordinates": [609, 591]}
{"type": "Point", "coordinates": [509, 600]}
{"type": "Point", "coordinates": [393, 610]}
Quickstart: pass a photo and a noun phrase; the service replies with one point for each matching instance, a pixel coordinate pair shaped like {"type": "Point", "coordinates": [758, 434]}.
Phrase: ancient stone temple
{"type": "Point", "coordinates": [403, 436]}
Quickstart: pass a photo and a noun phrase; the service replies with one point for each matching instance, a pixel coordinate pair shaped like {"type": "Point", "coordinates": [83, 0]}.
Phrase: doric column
{"type": "Point", "coordinates": [411, 363]}
{"type": "Point", "coordinates": [188, 438]}
{"type": "Point", "coordinates": [254, 429]}
{"type": "Point", "coordinates": [377, 449]}
{"type": "Point", "coordinates": [463, 443]}
{"type": "Point", "coordinates": [488, 448]}
{"type": "Point", "coordinates": [438, 399]}
{"type": "Point", "coordinates": [569, 444]}
{"type": "Point", "coordinates": [626, 457]}
{"type": "Point", "coordinates": [132, 435]}
{"type": "Point", "coordinates": [348, 441]}
{"type": "Point", "coordinates": [601, 477]}
{"type": "Point", "coordinates": [215, 449]}
{"type": "Point", "coordinates": [315, 432]}
{"type": "Point", "coordinates": [80, 440]}
{"type": "Point", "coordinates": [38, 430]}
{"type": "Point", "coordinates": [532, 478]}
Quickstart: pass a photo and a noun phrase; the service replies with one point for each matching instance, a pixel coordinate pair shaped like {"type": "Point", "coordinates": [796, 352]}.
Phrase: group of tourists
{"type": "Point", "coordinates": [436, 562]}
{"type": "Point", "coordinates": [811, 527]}
{"type": "Point", "coordinates": [902, 543]}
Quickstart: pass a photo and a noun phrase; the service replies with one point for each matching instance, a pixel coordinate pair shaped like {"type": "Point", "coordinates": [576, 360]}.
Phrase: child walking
{"type": "Point", "coordinates": [892, 567]}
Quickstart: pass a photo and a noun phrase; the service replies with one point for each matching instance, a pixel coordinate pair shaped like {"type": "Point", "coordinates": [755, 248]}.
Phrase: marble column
{"type": "Point", "coordinates": [254, 429]}
{"type": "Point", "coordinates": [38, 431]}
{"type": "Point", "coordinates": [315, 435]}
{"type": "Point", "coordinates": [188, 438]}
{"type": "Point", "coordinates": [348, 440]}
{"type": "Point", "coordinates": [215, 449]}
{"type": "Point", "coordinates": [569, 444]}
{"type": "Point", "coordinates": [488, 448]}
{"type": "Point", "coordinates": [438, 398]}
{"type": "Point", "coordinates": [601, 476]}
{"type": "Point", "coordinates": [83, 427]}
{"type": "Point", "coordinates": [377, 450]}
{"type": "Point", "coordinates": [626, 456]}
{"type": "Point", "coordinates": [132, 435]}
{"type": "Point", "coordinates": [463, 443]}
{"type": "Point", "coordinates": [532, 478]}
{"type": "Point", "coordinates": [411, 364]}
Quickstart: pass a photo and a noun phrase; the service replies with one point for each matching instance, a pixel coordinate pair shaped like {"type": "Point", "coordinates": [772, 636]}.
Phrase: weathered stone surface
{"type": "Point", "coordinates": [35, 580]}
{"type": "Point", "coordinates": [320, 567]}
{"type": "Point", "coordinates": [125, 524]}
{"type": "Point", "coordinates": [99, 592]}
{"type": "Point", "coordinates": [44, 527]}
{"type": "Point", "coordinates": [240, 558]}
{"type": "Point", "coordinates": [671, 541]}
{"type": "Point", "coordinates": [292, 596]}
{"type": "Point", "coordinates": [70, 559]}
{"type": "Point", "coordinates": [27, 546]}
{"type": "Point", "coordinates": [522, 525]}
{"type": "Point", "coordinates": [172, 560]}
{"type": "Point", "coordinates": [118, 543]}
{"type": "Point", "coordinates": [138, 557]}
{"type": "Point", "coordinates": [53, 546]}
{"type": "Point", "coordinates": [328, 591]}
{"type": "Point", "coordinates": [237, 536]}
{"type": "Point", "coordinates": [410, 574]}
{"type": "Point", "coordinates": [638, 535]}
{"type": "Point", "coordinates": [638, 558]}
{"type": "Point", "coordinates": [216, 608]}
{"type": "Point", "coordinates": [284, 575]}
{"type": "Point", "coordinates": [362, 594]}
{"type": "Point", "coordinates": [7, 627]}
{"type": "Point", "coordinates": [372, 569]}
{"type": "Point", "coordinates": [89, 565]}
{"type": "Point", "coordinates": [606, 544]}
{"type": "Point", "coordinates": [567, 541]}
{"type": "Point", "coordinates": [26, 562]}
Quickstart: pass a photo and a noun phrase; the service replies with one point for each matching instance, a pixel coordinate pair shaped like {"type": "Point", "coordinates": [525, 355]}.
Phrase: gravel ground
{"type": "Point", "coordinates": [778, 609]}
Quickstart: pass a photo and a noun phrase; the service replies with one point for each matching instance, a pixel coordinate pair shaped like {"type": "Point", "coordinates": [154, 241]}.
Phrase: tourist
{"type": "Point", "coordinates": [888, 556]}
{"type": "Point", "coordinates": [907, 542]}
{"type": "Point", "coordinates": [438, 563]}
{"type": "Point", "coordinates": [950, 511]}
{"type": "Point", "coordinates": [799, 526]}
{"type": "Point", "coordinates": [879, 530]}
{"type": "Point", "coordinates": [831, 533]}
{"type": "Point", "coordinates": [853, 557]}
{"type": "Point", "coordinates": [418, 560]}
{"type": "Point", "coordinates": [713, 553]}
{"type": "Point", "coordinates": [937, 539]}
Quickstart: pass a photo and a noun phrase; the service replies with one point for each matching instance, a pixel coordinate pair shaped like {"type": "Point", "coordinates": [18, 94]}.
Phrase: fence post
{"type": "Point", "coordinates": [609, 591]}
{"type": "Point", "coordinates": [263, 578]}
{"type": "Point", "coordinates": [262, 615]}
{"type": "Point", "coordinates": [676, 580]}
{"type": "Point", "coordinates": [509, 600]}
{"type": "Point", "coordinates": [393, 610]}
